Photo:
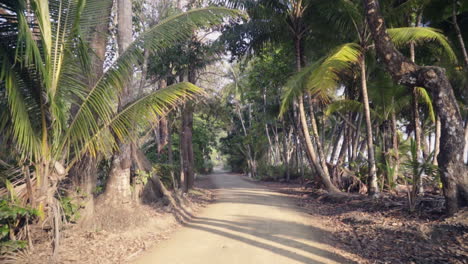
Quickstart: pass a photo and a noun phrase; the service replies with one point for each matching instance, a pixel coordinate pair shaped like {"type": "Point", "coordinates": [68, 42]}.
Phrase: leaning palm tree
{"type": "Point", "coordinates": [324, 76]}
{"type": "Point", "coordinates": [44, 56]}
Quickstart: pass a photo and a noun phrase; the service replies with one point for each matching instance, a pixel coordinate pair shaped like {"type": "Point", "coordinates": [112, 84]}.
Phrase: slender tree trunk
{"type": "Point", "coordinates": [315, 133]}
{"type": "Point", "coordinates": [309, 147]}
{"type": "Point", "coordinates": [417, 136]}
{"type": "Point", "coordinates": [118, 184]}
{"type": "Point", "coordinates": [396, 163]}
{"type": "Point", "coordinates": [187, 164]}
{"type": "Point", "coordinates": [286, 151]}
{"type": "Point", "coordinates": [310, 150]}
{"type": "Point", "coordinates": [372, 180]}
{"type": "Point", "coordinates": [452, 170]}
{"type": "Point", "coordinates": [336, 145]}
{"type": "Point", "coordinates": [466, 142]}
{"type": "Point", "coordinates": [183, 159]}
{"type": "Point", "coordinates": [170, 156]}
{"type": "Point", "coordinates": [250, 155]}
{"type": "Point", "coordinates": [357, 138]}
{"type": "Point", "coordinates": [416, 122]}
{"type": "Point", "coordinates": [465, 58]}
{"type": "Point", "coordinates": [459, 34]}
{"type": "Point", "coordinates": [437, 141]}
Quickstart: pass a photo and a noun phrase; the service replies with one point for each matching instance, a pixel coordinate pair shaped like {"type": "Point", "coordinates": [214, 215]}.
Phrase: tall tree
{"type": "Point", "coordinates": [118, 184]}
{"type": "Point", "coordinates": [453, 172]}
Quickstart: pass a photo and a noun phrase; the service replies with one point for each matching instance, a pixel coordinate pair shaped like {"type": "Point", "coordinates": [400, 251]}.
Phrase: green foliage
{"type": "Point", "coordinates": [205, 139]}
{"type": "Point", "coordinates": [322, 77]}
{"type": "Point", "coordinates": [53, 108]}
{"type": "Point", "coordinates": [420, 35]}
{"type": "Point", "coordinates": [71, 209]}
{"type": "Point", "coordinates": [416, 167]}
{"type": "Point", "coordinates": [12, 217]}
{"type": "Point", "coordinates": [164, 172]}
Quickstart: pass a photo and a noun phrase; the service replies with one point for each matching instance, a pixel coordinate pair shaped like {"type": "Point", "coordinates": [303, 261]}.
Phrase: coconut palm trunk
{"type": "Point", "coordinates": [308, 145]}
{"type": "Point", "coordinates": [416, 118]}
{"type": "Point", "coordinates": [437, 141]}
{"type": "Point", "coordinates": [186, 149]}
{"type": "Point", "coordinates": [372, 178]}
{"type": "Point", "coordinates": [458, 32]}
{"type": "Point", "coordinates": [318, 142]}
{"type": "Point", "coordinates": [118, 184]}
{"type": "Point", "coordinates": [396, 163]}
{"type": "Point", "coordinates": [84, 173]}
{"type": "Point", "coordinates": [461, 42]}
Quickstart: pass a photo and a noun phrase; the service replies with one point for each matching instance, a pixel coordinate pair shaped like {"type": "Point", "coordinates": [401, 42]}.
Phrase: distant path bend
{"type": "Point", "coordinates": [248, 224]}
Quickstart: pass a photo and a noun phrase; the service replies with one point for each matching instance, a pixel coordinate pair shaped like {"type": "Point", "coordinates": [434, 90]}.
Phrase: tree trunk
{"type": "Point", "coordinates": [357, 138]}
{"type": "Point", "coordinates": [452, 170]}
{"type": "Point", "coordinates": [466, 142]}
{"type": "Point", "coordinates": [310, 150]}
{"type": "Point", "coordinates": [309, 147]}
{"type": "Point", "coordinates": [186, 146]}
{"type": "Point", "coordinates": [396, 163]}
{"type": "Point", "coordinates": [336, 144]}
{"type": "Point", "coordinates": [372, 180]}
{"type": "Point", "coordinates": [84, 173]}
{"type": "Point", "coordinates": [417, 137]}
{"type": "Point", "coordinates": [185, 139]}
{"type": "Point", "coordinates": [286, 152]}
{"type": "Point", "coordinates": [318, 142]}
{"type": "Point", "coordinates": [416, 122]}
{"type": "Point", "coordinates": [118, 184]}
{"type": "Point", "coordinates": [459, 34]}
{"type": "Point", "coordinates": [170, 155]}
{"type": "Point", "coordinates": [437, 141]}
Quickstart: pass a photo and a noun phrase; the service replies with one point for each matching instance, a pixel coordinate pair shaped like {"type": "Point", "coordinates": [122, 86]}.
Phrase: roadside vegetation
{"type": "Point", "coordinates": [108, 106]}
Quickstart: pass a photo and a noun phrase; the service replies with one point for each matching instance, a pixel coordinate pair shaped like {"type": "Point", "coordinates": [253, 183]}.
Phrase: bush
{"type": "Point", "coordinates": [164, 172]}
{"type": "Point", "coordinates": [71, 209]}
{"type": "Point", "coordinates": [13, 218]}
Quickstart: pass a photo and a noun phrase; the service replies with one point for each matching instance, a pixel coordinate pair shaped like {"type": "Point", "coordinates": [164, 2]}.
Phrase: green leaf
{"type": "Point", "coordinates": [402, 37]}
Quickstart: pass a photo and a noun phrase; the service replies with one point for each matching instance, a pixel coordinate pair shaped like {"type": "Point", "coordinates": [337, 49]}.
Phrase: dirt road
{"type": "Point", "coordinates": [247, 224]}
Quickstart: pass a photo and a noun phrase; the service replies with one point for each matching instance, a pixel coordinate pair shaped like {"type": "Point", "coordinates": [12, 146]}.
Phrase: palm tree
{"type": "Point", "coordinates": [44, 58]}
{"type": "Point", "coordinates": [326, 75]}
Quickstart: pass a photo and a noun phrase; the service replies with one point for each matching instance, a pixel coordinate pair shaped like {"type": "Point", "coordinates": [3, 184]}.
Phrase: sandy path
{"type": "Point", "coordinates": [247, 224]}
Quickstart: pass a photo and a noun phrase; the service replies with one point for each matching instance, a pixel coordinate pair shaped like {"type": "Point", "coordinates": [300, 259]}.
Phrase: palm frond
{"type": "Point", "coordinates": [426, 98]}
{"type": "Point", "coordinates": [344, 15]}
{"type": "Point", "coordinates": [23, 131]}
{"type": "Point", "coordinates": [138, 114]}
{"type": "Point", "coordinates": [41, 9]}
{"type": "Point", "coordinates": [322, 77]}
{"type": "Point", "coordinates": [420, 35]}
{"type": "Point", "coordinates": [347, 105]}
{"type": "Point", "coordinates": [326, 77]}
{"type": "Point", "coordinates": [99, 104]}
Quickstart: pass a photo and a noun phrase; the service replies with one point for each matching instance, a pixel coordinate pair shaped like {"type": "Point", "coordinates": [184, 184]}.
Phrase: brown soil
{"type": "Point", "coordinates": [119, 237]}
{"type": "Point", "coordinates": [383, 230]}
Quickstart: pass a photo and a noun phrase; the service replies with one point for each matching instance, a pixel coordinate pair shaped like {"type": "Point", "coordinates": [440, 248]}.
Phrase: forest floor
{"type": "Point", "coordinates": [383, 230]}
{"type": "Point", "coordinates": [121, 235]}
